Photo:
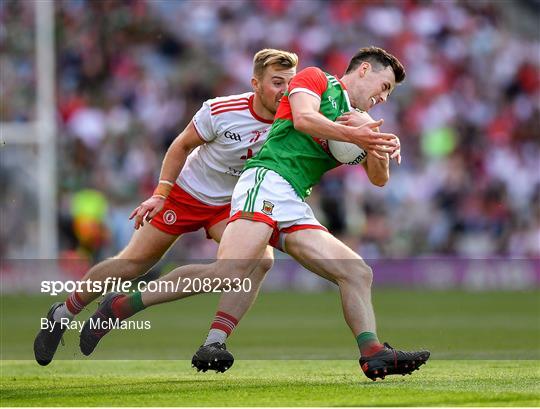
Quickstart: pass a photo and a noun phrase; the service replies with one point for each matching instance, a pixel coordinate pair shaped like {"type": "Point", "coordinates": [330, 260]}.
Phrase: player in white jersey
{"type": "Point", "coordinates": [198, 175]}
{"type": "Point", "coordinates": [232, 132]}
{"type": "Point", "coordinates": [228, 132]}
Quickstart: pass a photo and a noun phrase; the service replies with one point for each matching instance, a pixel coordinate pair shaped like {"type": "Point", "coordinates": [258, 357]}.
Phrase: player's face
{"type": "Point", "coordinates": [273, 85]}
{"type": "Point", "coordinates": [374, 87]}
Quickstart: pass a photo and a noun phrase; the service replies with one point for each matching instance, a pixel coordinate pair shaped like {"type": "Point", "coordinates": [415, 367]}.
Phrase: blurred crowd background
{"type": "Point", "coordinates": [130, 75]}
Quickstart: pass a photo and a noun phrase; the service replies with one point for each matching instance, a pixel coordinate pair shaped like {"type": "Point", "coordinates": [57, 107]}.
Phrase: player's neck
{"type": "Point", "coordinates": [260, 109]}
{"type": "Point", "coordinates": [347, 81]}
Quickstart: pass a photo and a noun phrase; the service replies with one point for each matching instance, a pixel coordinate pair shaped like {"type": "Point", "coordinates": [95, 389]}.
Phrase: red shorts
{"type": "Point", "coordinates": [183, 213]}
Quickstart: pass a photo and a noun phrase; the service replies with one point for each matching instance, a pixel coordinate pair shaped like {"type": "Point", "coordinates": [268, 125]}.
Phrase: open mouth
{"type": "Point", "coordinates": [373, 101]}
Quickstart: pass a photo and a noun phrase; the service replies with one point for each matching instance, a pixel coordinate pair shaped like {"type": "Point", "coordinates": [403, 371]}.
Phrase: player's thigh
{"type": "Point", "coordinates": [216, 230]}
{"type": "Point", "coordinates": [242, 246]}
{"type": "Point", "coordinates": [323, 254]}
{"type": "Point", "coordinates": [147, 244]}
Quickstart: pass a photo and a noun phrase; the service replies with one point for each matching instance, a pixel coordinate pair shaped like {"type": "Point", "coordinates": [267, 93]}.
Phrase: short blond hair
{"type": "Point", "coordinates": [269, 57]}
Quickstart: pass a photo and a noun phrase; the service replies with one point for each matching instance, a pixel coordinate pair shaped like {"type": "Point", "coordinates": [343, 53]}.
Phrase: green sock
{"type": "Point", "coordinates": [368, 343]}
{"type": "Point", "coordinates": [127, 305]}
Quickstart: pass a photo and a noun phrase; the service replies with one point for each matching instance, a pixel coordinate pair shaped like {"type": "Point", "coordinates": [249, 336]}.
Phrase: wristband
{"type": "Point", "coordinates": [163, 188]}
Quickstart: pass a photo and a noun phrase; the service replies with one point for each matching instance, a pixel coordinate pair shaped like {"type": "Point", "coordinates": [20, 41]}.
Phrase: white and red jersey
{"type": "Point", "coordinates": [232, 133]}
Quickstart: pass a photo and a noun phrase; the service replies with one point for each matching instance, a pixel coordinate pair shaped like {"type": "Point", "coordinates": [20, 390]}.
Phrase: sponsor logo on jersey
{"type": "Point", "coordinates": [268, 207]}
{"type": "Point", "coordinates": [169, 217]}
{"type": "Point", "coordinates": [232, 135]}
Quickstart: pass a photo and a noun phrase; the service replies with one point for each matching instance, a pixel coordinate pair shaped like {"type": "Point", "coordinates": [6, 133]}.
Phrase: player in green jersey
{"type": "Point", "coordinates": [268, 202]}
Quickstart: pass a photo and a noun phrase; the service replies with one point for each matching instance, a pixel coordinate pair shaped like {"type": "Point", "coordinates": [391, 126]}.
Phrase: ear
{"type": "Point", "coordinates": [363, 68]}
{"type": "Point", "coordinates": [254, 84]}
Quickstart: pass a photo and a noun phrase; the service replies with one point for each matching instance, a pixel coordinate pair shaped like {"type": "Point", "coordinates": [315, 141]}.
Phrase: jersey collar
{"type": "Point", "coordinates": [345, 93]}
{"type": "Point", "coordinates": [254, 114]}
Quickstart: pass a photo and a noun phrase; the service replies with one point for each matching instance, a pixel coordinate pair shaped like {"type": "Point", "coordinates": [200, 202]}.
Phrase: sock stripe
{"type": "Point", "coordinates": [226, 316]}
{"type": "Point", "coordinates": [224, 322]}
{"type": "Point", "coordinates": [217, 318]}
{"type": "Point", "coordinates": [226, 329]}
{"type": "Point", "coordinates": [74, 304]}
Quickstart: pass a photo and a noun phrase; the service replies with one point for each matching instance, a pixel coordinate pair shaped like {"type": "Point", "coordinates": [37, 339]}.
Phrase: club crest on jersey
{"type": "Point", "coordinates": [268, 207]}
{"type": "Point", "coordinates": [169, 217]}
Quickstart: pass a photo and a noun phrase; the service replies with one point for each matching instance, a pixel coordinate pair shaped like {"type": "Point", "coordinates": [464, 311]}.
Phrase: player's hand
{"type": "Point", "coordinates": [367, 135]}
{"type": "Point", "coordinates": [358, 118]}
{"type": "Point", "coordinates": [353, 118]}
{"type": "Point", "coordinates": [378, 155]}
{"type": "Point", "coordinates": [397, 153]}
{"type": "Point", "coordinates": [147, 210]}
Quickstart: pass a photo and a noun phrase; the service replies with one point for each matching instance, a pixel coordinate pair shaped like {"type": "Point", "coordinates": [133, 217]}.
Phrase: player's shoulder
{"type": "Point", "coordinates": [230, 103]}
{"type": "Point", "coordinates": [311, 78]}
{"type": "Point", "coordinates": [312, 72]}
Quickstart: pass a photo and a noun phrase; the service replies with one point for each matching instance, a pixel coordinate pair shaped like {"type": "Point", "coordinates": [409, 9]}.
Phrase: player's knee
{"type": "Point", "coordinates": [230, 269]}
{"type": "Point", "coordinates": [364, 273]}
{"type": "Point", "coordinates": [132, 268]}
{"type": "Point", "coordinates": [258, 275]}
{"type": "Point", "coordinates": [265, 265]}
{"type": "Point", "coordinates": [359, 276]}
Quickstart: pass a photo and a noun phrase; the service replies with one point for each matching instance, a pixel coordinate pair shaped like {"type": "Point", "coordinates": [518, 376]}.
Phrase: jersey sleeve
{"type": "Point", "coordinates": [203, 123]}
{"type": "Point", "coordinates": [310, 80]}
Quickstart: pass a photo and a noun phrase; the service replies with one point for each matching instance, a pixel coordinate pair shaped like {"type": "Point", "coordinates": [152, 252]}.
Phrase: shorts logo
{"type": "Point", "coordinates": [268, 207]}
{"type": "Point", "coordinates": [169, 217]}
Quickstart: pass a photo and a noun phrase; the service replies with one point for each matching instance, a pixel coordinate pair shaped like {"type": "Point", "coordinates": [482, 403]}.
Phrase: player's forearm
{"type": "Point", "coordinates": [174, 161]}
{"type": "Point", "coordinates": [378, 170]}
{"type": "Point", "coordinates": [318, 126]}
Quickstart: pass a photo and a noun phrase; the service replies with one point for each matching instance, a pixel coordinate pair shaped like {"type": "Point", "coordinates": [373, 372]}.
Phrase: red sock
{"type": "Point", "coordinates": [125, 306]}
{"type": "Point", "coordinates": [371, 348]}
{"type": "Point", "coordinates": [368, 343]}
{"type": "Point", "coordinates": [74, 304]}
{"type": "Point", "coordinates": [224, 322]}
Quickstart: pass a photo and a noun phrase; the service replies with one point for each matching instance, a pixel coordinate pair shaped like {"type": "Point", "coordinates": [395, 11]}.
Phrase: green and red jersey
{"type": "Point", "coordinates": [298, 157]}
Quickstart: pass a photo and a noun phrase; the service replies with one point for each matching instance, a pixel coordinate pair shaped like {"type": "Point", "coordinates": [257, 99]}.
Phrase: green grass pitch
{"type": "Point", "coordinates": [292, 349]}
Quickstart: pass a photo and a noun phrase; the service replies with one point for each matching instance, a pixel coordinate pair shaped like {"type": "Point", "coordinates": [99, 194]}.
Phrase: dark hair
{"type": "Point", "coordinates": [377, 56]}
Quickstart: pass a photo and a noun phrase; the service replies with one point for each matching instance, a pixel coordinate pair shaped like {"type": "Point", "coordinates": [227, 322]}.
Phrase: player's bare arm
{"type": "Point", "coordinates": [378, 170]}
{"type": "Point", "coordinates": [174, 161]}
{"type": "Point", "coordinates": [307, 119]}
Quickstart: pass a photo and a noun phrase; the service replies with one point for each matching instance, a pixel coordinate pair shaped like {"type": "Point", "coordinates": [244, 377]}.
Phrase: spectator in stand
{"type": "Point", "coordinates": [131, 74]}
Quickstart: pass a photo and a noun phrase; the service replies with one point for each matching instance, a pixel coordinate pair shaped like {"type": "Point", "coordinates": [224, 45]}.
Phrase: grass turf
{"type": "Point", "coordinates": [267, 383]}
{"type": "Point", "coordinates": [476, 341]}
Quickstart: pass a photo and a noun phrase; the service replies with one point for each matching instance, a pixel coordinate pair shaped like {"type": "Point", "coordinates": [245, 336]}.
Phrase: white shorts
{"type": "Point", "coordinates": [264, 196]}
